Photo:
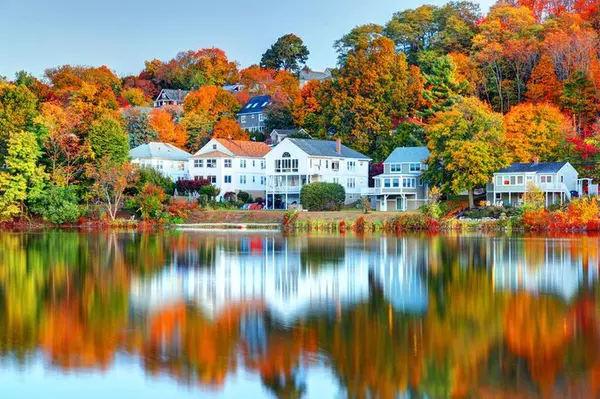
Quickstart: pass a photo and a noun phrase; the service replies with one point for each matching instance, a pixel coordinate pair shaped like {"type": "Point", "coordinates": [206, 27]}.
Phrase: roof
{"type": "Point", "coordinates": [233, 88]}
{"type": "Point", "coordinates": [159, 150]}
{"type": "Point", "coordinates": [408, 154]}
{"type": "Point", "coordinates": [253, 149]}
{"type": "Point", "coordinates": [314, 75]}
{"type": "Point", "coordinates": [326, 148]}
{"type": "Point", "coordinates": [212, 154]}
{"type": "Point", "coordinates": [255, 105]}
{"type": "Point", "coordinates": [286, 131]}
{"type": "Point", "coordinates": [173, 94]}
{"type": "Point", "coordinates": [541, 167]}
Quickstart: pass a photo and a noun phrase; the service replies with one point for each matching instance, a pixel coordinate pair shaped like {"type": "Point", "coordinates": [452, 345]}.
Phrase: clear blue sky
{"type": "Point", "coordinates": [122, 34]}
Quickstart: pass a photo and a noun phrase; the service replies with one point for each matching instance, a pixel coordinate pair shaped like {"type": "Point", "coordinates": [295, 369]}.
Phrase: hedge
{"type": "Point", "coordinates": [321, 196]}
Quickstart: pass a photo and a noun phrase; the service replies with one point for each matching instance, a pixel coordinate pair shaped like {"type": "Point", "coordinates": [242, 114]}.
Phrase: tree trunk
{"type": "Point", "coordinates": [471, 199]}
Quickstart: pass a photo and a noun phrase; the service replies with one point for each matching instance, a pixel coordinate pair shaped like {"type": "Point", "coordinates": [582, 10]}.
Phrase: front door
{"type": "Point", "coordinates": [400, 204]}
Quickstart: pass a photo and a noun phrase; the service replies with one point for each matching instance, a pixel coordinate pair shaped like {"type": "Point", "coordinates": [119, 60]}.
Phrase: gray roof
{"type": "Point", "coordinates": [160, 151]}
{"type": "Point", "coordinates": [286, 131]}
{"type": "Point", "coordinates": [255, 105]}
{"type": "Point", "coordinates": [307, 75]}
{"type": "Point", "coordinates": [326, 148]}
{"type": "Point", "coordinates": [541, 167]}
{"type": "Point", "coordinates": [173, 94]}
{"type": "Point", "coordinates": [408, 154]}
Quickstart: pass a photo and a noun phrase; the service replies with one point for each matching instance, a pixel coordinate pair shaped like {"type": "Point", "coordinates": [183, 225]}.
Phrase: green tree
{"type": "Point", "coordinates": [442, 86]}
{"type": "Point", "coordinates": [466, 145]}
{"type": "Point", "coordinates": [322, 196]}
{"type": "Point", "coordinates": [357, 37]}
{"type": "Point", "coordinates": [18, 112]}
{"type": "Point", "coordinates": [407, 134]}
{"type": "Point", "coordinates": [445, 29]}
{"type": "Point", "coordinates": [22, 178]}
{"type": "Point", "coordinates": [56, 204]}
{"type": "Point", "coordinates": [279, 117]}
{"type": "Point", "coordinates": [578, 98]}
{"type": "Point", "coordinates": [108, 139]}
{"type": "Point", "coordinates": [288, 52]}
{"type": "Point", "coordinates": [137, 125]}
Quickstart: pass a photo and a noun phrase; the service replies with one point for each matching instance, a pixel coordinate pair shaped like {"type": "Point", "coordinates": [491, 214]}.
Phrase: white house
{"type": "Point", "coordinates": [166, 158]}
{"type": "Point", "coordinates": [401, 186]}
{"type": "Point", "coordinates": [296, 162]}
{"type": "Point", "coordinates": [558, 180]}
{"type": "Point", "coordinates": [232, 165]}
{"type": "Point", "coordinates": [170, 97]}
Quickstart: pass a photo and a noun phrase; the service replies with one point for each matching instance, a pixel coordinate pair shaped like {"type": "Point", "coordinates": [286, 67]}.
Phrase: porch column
{"type": "Point", "coordinates": [286, 191]}
{"type": "Point", "coordinates": [509, 198]}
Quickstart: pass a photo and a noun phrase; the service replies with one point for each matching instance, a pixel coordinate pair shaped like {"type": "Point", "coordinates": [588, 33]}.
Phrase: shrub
{"type": "Point", "coordinates": [150, 175]}
{"type": "Point", "coordinates": [56, 204]}
{"type": "Point", "coordinates": [583, 210]}
{"type": "Point", "coordinates": [179, 210]}
{"type": "Point", "coordinates": [189, 186]}
{"type": "Point", "coordinates": [534, 197]}
{"type": "Point", "coordinates": [230, 196]}
{"type": "Point", "coordinates": [321, 196]}
{"type": "Point", "coordinates": [209, 191]}
{"type": "Point", "coordinates": [149, 202]}
{"type": "Point", "coordinates": [365, 203]}
{"type": "Point", "coordinates": [289, 219]}
{"type": "Point", "coordinates": [245, 197]}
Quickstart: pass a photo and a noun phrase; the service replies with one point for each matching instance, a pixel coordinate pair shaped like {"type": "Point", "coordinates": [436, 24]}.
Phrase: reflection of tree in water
{"type": "Point", "coordinates": [321, 251]}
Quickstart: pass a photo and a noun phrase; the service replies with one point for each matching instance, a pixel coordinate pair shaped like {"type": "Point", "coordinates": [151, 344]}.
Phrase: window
{"type": "Point", "coordinates": [395, 182]}
{"type": "Point", "coordinates": [243, 119]}
{"type": "Point", "coordinates": [326, 164]}
{"type": "Point", "coordinates": [214, 146]}
{"type": "Point", "coordinates": [562, 179]}
{"type": "Point", "coordinates": [399, 204]}
{"type": "Point", "coordinates": [286, 165]}
{"type": "Point", "coordinates": [351, 165]}
{"type": "Point", "coordinates": [181, 165]}
{"type": "Point", "coordinates": [498, 196]}
{"type": "Point", "coordinates": [227, 163]}
{"type": "Point", "coordinates": [242, 163]}
{"type": "Point", "coordinates": [351, 183]}
{"type": "Point", "coordinates": [546, 179]}
{"type": "Point", "coordinates": [198, 163]}
{"type": "Point", "coordinates": [415, 167]}
{"type": "Point", "coordinates": [212, 179]}
{"type": "Point", "coordinates": [420, 182]}
{"type": "Point", "coordinates": [265, 104]}
{"type": "Point", "coordinates": [520, 180]}
{"type": "Point", "coordinates": [253, 163]}
{"type": "Point", "coordinates": [263, 164]}
{"type": "Point", "coordinates": [227, 179]}
{"type": "Point", "coordinates": [263, 180]}
{"type": "Point", "coordinates": [159, 165]}
{"type": "Point", "coordinates": [512, 180]}
{"type": "Point", "coordinates": [386, 183]}
{"type": "Point", "coordinates": [211, 163]}
{"type": "Point", "coordinates": [261, 117]}
{"type": "Point", "coordinates": [336, 180]}
{"type": "Point", "coordinates": [335, 165]}
{"type": "Point", "coordinates": [409, 182]}
{"type": "Point", "coordinates": [253, 179]}
{"type": "Point", "coordinates": [242, 179]}
{"type": "Point", "coordinates": [396, 167]}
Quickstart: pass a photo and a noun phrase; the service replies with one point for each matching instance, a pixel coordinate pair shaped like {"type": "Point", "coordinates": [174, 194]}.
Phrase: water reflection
{"type": "Point", "coordinates": [417, 316]}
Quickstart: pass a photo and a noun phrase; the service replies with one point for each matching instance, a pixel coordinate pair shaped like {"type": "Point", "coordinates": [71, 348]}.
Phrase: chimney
{"type": "Point", "coordinates": [178, 95]}
{"type": "Point", "coordinates": [536, 160]}
{"type": "Point", "coordinates": [338, 146]}
{"type": "Point", "coordinates": [230, 138]}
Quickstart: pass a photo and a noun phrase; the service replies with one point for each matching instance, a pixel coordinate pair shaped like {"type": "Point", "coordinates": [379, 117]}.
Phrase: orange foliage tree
{"type": "Point", "coordinates": [226, 128]}
{"type": "Point", "coordinates": [168, 131]}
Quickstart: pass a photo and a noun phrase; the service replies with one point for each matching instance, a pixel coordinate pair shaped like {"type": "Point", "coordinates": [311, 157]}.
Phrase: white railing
{"type": "Point", "coordinates": [388, 190]}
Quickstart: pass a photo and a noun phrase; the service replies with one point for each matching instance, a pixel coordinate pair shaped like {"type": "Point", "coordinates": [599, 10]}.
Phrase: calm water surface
{"type": "Point", "coordinates": [189, 315]}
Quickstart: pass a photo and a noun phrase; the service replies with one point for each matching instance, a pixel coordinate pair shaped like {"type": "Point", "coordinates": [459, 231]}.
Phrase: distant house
{"type": "Point", "coordinates": [252, 116]}
{"type": "Point", "coordinates": [170, 97]}
{"type": "Point", "coordinates": [306, 75]}
{"type": "Point", "coordinates": [296, 162]}
{"type": "Point", "coordinates": [165, 158]}
{"type": "Point", "coordinates": [234, 88]}
{"type": "Point", "coordinates": [277, 135]}
{"type": "Point", "coordinates": [401, 186]}
{"type": "Point", "coordinates": [232, 165]}
{"type": "Point", "coordinates": [558, 180]}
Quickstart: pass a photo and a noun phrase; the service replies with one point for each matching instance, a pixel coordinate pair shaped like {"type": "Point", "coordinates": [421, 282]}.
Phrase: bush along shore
{"type": "Point", "coordinates": [580, 215]}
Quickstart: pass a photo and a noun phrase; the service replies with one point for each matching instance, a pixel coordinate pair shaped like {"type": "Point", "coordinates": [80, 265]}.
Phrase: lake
{"type": "Point", "coordinates": [236, 315]}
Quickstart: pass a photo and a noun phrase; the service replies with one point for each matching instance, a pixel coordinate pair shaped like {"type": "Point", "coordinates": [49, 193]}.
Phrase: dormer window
{"type": "Point", "coordinates": [265, 104]}
{"type": "Point", "coordinates": [286, 155]}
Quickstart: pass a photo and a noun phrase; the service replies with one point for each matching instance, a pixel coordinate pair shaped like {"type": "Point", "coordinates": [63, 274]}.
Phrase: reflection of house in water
{"type": "Point", "coordinates": [288, 282]}
{"type": "Point", "coordinates": [555, 266]}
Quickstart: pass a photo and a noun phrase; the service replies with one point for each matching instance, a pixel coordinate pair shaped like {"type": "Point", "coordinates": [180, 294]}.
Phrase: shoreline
{"type": "Point", "coordinates": [291, 221]}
